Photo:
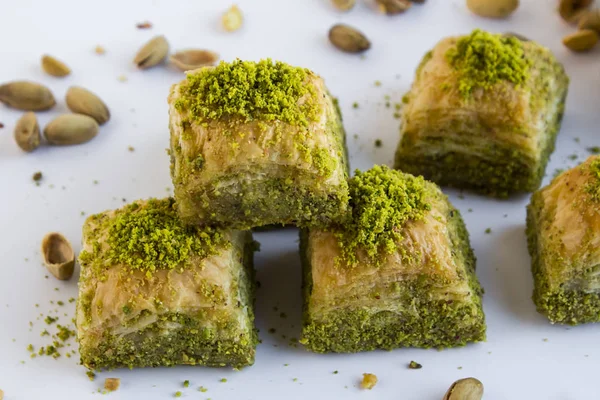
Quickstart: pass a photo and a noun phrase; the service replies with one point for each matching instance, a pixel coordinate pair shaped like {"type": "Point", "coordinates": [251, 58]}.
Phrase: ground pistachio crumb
{"type": "Point", "coordinates": [186, 383]}
{"type": "Point", "coordinates": [414, 365]}
{"type": "Point", "coordinates": [203, 389]}
{"type": "Point", "coordinates": [178, 393]}
{"type": "Point", "coordinates": [50, 320]}
{"type": "Point", "coordinates": [382, 201]}
{"type": "Point", "coordinates": [369, 381]}
{"type": "Point", "coordinates": [223, 380]}
{"type": "Point", "coordinates": [488, 230]}
{"type": "Point", "coordinates": [336, 372]}
{"type": "Point", "coordinates": [263, 90]}
{"type": "Point", "coordinates": [355, 104]}
{"type": "Point", "coordinates": [112, 384]}
{"type": "Point", "coordinates": [131, 148]}
{"type": "Point", "coordinates": [37, 176]}
{"type": "Point", "coordinates": [593, 185]}
{"type": "Point", "coordinates": [378, 143]}
{"type": "Point", "coordinates": [377, 83]}
{"type": "Point", "coordinates": [573, 157]}
{"type": "Point", "coordinates": [594, 149]}
{"type": "Point", "coordinates": [483, 59]}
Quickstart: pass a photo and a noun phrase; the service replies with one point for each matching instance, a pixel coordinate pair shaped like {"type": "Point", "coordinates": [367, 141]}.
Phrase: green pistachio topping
{"type": "Point", "coordinates": [263, 90]}
{"type": "Point", "coordinates": [484, 59]}
{"type": "Point", "coordinates": [150, 236]}
{"type": "Point", "coordinates": [382, 201]}
{"type": "Point", "coordinates": [593, 185]}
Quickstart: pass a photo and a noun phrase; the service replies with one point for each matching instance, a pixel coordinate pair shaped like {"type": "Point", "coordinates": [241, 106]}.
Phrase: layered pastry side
{"type": "Point", "coordinates": [483, 114]}
{"type": "Point", "coordinates": [257, 143]}
{"type": "Point", "coordinates": [153, 292]}
{"type": "Point", "coordinates": [563, 232]}
{"type": "Point", "coordinates": [398, 272]}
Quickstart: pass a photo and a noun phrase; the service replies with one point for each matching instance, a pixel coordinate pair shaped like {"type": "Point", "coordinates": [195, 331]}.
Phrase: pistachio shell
{"type": "Point", "coordinates": [348, 39]}
{"type": "Point", "coordinates": [28, 96]}
{"type": "Point", "coordinates": [54, 67]}
{"type": "Point", "coordinates": [493, 8]}
{"type": "Point", "coordinates": [590, 20]}
{"type": "Point", "coordinates": [393, 7]}
{"type": "Point", "coordinates": [581, 41]}
{"type": "Point", "coordinates": [344, 5]}
{"type": "Point", "coordinates": [58, 255]}
{"type": "Point", "coordinates": [27, 132]}
{"type": "Point", "coordinates": [465, 389]}
{"type": "Point", "coordinates": [572, 10]}
{"type": "Point", "coordinates": [187, 60]}
{"type": "Point", "coordinates": [82, 101]}
{"type": "Point", "coordinates": [232, 19]}
{"type": "Point", "coordinates": [69, 129]}
{"type": "Point", "coordinates": [152, 53]}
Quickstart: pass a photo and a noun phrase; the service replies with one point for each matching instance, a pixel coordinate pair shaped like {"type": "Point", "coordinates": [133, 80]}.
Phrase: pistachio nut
{"type": "Point", "coordinates": [344, 5]}
{"type": "Point", "coordinates": [82, 101]}
{"type": "Point", "coordinates": [58, 255]}
{"type": "Point", "coordinates": [152, 53]}
{"type": "Point", "coordinates": [493, 8]}
{"type": "Point", "coordinates": [590, 20]}
{"type": "Point", "coordinates": [70, 129]}
{"type": "Point", "coordinates": [28, 96]}
{"type": "Point", "coordinates": [572, 10]}
{"type": "Point", "coordinates": [348, 39]}
{"type": "Point", "coordinates": [392, 7]}
{"type": "Point", "coordinates": [465, 389]}
{"type": "Point", "coordinates": [232, 19]}
{"type": "Point", "coordinates": [27, 132]}
{"type": "Point", "coordinates": [187, 60]}
{"type": "Point", "coordinates": [54, 67]}
{"type": "Point", "coordinates": [581, 41]}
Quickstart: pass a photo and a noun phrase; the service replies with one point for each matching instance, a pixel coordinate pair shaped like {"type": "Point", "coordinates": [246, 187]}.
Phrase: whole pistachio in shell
{"type": "Point", "coordinates": [71, 129]}
{"type": "Point", "coordinates": [26, 95]}
{"type": "Point", "coordinates": [152, 53]}
{"type": "Point", "coordinates": [82, 101]}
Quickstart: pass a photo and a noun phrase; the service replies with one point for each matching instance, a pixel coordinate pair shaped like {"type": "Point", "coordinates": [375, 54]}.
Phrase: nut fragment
{"type": "Point", "coordinates": [152, 53]}
{"type": "Point", "coordinates": [590, 20]}
{"type": "Point", "coordinates": [393, 7]}
{"type": "Point", "coordinates": [232, 19]}
{"type": "Point", "coordinates": [493, 8]}
{"type": "Point", "coordinates": [54, 67]}
{"type": "Point", "coordinates": [465, 389]}
{"type": "Point", "coordinates": [37, 176]}
{"type": "Point", "coordinates": [369, 381]}
{"type": "Point", "coordinates": [344, 5]}
{"type": "Point", "coordinates": [572, 10]}
{"type": "Point", "coordinates": [69, 129]}
{"type": "Point", "coordinates": [348, 39]}
{"type": "Point", "coordinates": [144, 25]}
{"type": "Point", "coordinates": [58, 255]}
{"type": "Point", "coordinates": [82, 101]}
{"type": "Point", "coordinates": [190, 59]}
{"type": "Point", "coordinates": [28, 96]}
{"type": "Point", "coordinates": [112, 384]}
{"type": "Point", "coordinates": [581, 41]}
{"type": "Point", "coordinates": [27, 132]}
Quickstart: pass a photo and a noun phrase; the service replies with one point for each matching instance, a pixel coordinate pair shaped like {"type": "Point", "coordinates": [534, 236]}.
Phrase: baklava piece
{"type": "Point", "coordinates": [400, 272]}
{"type": "Point", "coordinates": [563, 232]}
{"type": "Point", "coordinates": [153, 292]}
{"type": "Point", "coordinates": [254, 144]}
{"type": "Point", "coordinates": [483, 114]}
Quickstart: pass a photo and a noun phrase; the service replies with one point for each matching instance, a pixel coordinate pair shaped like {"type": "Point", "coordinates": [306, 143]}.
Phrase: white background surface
{"type": "Point", "coordinates": [524, 358]}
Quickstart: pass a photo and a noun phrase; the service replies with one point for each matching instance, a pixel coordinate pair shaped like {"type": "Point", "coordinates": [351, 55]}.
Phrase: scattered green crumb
{"type": "Point", "coordinates": [459, 368]}
{"type": "Point", "coordinates": [397, 115]}
{"type": "Point", "coordinates": [545, 339]}
{"type": "Point", "coordinates": [112, 384]}
{"type": "Point", "coordinates": [378, 143]}
{"type": "Point", "coordinates": [470, 210]}
{"type": "Point", "coordinates": [95, 181]}
{"type": "Point", "coordinates": [30, 348]}
{"type": "Point", "coordinates": [272, 330]}
{"type": "Point", "coordinates": [295, 380]}
{"type": "Point", "coordinates": [37, 176]}
{"type": "Point", "coordinates": [414, 365]}
{"type": "Point", "coordinates": [355, 104]}
{"type": "Point", "coordinates": [178, 394]}
{"type": "Point", "coordinates": [483, 59]}
{"type": "Point", "coordinates": [186, 383]}
{"type": "Point", "coordinates": [286, 365]}
{"type": "Point", "coordinates": [369, 381]}
{"type": "Point", "coordinates": [131, 148]}
{"type": "Point", "coordinates": [45, 333]}
{"type": "Point", "coordinates": [283, 315]}
{"type": "Point", "coordinates": [203, 389]}
{"type": "Point", "coordinates": [573, 157]}
{"type": "Point", "coordinates": [72, 300]}
{"type": "Point", "coordinates": [223, 380]}
{"type": "Point", "coordinates": [50, 320]}
{"type": "Point", "coordinates": [336, 372]}
{"type": "Point", "coordinates": [377, 83]}
{"type": "Point", "coordinates": [60, 303]}
{"type": "Point", "coordinates": [488, 230]}
{"type": "Point", "coordinates": [594, 149]}
{"type": "Point", "coordinates": [576, 140]}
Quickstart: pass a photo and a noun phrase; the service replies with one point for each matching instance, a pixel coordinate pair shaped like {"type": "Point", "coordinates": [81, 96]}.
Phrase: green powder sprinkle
{"type": "Point", "coordinates": [484, 59]}
{"type": "Point", "coordinates": [150, 237]}
{"type": "Point", "coordinates": [382, 201]}
{"type": "Point", "coordinates": [248, 90]}
{"type": "Point", "coordinates": [178, 394]}
{"type": "Point", "coordinates": [186, 383]}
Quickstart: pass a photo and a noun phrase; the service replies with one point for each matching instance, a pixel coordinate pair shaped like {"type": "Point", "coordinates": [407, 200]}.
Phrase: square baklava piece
{"type": "Point", "coordinates": [399, 272]}
{"type": "Point", "coordinates": [483, 114]}
{"type": "Point", "coordinates": [257, 143]}
{"type": "Point", "coordinates": [153, 292]}
{"type": "Point", "coordinates": [563, 232]}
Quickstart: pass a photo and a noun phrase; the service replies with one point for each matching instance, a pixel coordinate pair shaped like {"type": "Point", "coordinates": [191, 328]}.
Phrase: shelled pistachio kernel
{"type": "Point", "coordinates": [58, 255]}
{"type": "Point", "coordinates": [71, 129]}
{"type": "Point", "coordinates": [54, 67]}
{"type": "Point", "coordinates": [82, 101]}
{"type": "Point", "coordinates": [26, 95]}
{"type": "Point", "coordinates": [232, 19]}
{"type": "Point", "coordinates": [348, 39]}
{"type": "Point", "coordinates": [27, 132]}
{"type": "Point", "coordinates": [112, 384]}
{"type": "Point", "coordinates": [465, 389]}
{"type": "Point", "coordinates": [154, 52]}
{"type": "Point", "coordinates": [581, 41]}
{"type": "Point", "coordinates": [572, 10]}
{"type": "Point", "coordinates": [344, 5]}
{"type": "Point", "coordinates": [393, 7]}
{"type": "Point", "coordinates": [493, 8]}
{"type": "Point", "coordinates": [369, 381]}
